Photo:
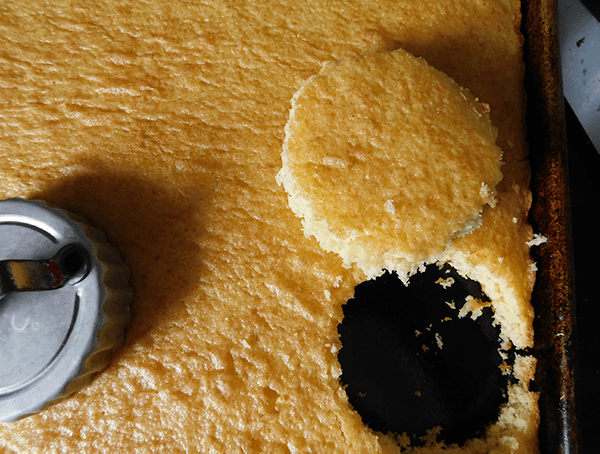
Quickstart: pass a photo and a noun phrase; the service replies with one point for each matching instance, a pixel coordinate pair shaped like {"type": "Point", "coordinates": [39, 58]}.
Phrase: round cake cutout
{"type": "Point", "coordinates": [386, 160]}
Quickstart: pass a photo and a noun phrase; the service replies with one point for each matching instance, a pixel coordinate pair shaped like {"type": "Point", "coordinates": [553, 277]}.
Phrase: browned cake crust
{"type": "Point", "coordinates": [163, 123]}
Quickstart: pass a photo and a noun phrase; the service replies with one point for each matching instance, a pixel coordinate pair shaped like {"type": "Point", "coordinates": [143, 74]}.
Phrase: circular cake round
{"type": "Point", "coordinates": [391, 125]}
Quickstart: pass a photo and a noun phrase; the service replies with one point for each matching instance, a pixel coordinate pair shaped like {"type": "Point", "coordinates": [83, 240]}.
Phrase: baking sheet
{"type": "Point", "coordinates": [553, 296]}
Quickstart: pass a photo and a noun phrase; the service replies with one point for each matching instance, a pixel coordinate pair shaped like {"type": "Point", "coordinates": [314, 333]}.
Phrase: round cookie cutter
{"type": "Point", "coordinates": [64, 303]}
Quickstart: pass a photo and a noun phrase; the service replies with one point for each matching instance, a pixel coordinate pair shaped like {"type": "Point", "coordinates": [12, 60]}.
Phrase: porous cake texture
{"type": "Point", "coordinates": [387, 160]}
{"type": "Point", "coordinates": [163, 124]}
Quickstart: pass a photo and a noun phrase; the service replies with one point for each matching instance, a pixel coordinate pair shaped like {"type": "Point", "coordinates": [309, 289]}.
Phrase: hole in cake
{"type": "Point", "coordinates": [411, 364]}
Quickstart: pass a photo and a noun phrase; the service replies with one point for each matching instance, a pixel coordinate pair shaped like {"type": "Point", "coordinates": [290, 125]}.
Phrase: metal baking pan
{"type": "Point", "coordinates": [553, 296]}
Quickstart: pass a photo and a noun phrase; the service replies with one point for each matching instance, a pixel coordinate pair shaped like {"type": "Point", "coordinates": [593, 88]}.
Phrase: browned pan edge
{"type": "Point", "coordinates": [553, 295]}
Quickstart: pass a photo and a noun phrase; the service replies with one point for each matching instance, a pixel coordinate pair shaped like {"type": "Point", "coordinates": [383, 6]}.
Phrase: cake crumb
{"type": "Point", "coordinates": [506, 368]}
{"type": "Point", "coordinates": [473, 306]}
{"type": "Point", "coordinates": [533, 267]}
{"type": "Point", "coordinates": [446, 283]}
{"type": "Point", "coordinates": [438, 340]}
{"type": "Point", "coordinates": [451, 304]}
{"type": "Point", "coordinates": [538, 239]}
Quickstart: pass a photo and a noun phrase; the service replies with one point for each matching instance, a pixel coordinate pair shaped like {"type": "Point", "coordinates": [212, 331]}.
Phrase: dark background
{"type": "Point", "coordinates": [584, 182]}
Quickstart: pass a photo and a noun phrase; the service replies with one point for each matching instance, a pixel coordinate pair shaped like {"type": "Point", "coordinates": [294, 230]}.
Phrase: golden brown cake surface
{"type": "Point", "coordinates": [387, 160]}
{"type": "Point", "coordinates": [163, 123]}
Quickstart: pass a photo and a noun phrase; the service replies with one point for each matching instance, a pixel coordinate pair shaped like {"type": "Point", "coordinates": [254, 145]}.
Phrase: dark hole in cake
{"type": "Point", "coordinates": [411, 364]}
